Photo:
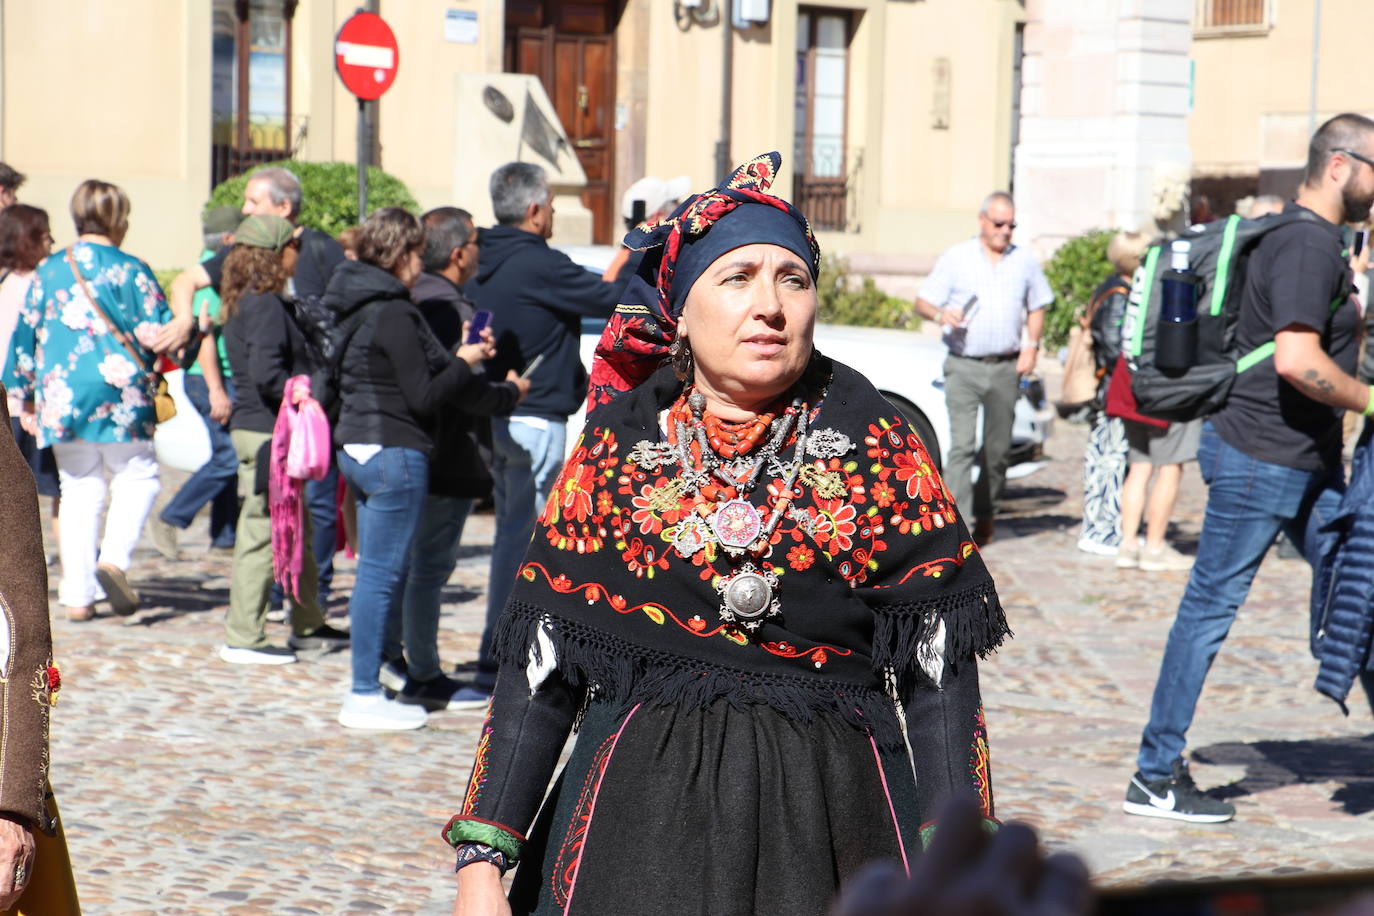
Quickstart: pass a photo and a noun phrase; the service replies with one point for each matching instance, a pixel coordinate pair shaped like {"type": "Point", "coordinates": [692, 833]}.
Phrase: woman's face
{"type": "Point", "coordinates": [408, 268]}
{"type": "Point", "coordinates": [750, 318]}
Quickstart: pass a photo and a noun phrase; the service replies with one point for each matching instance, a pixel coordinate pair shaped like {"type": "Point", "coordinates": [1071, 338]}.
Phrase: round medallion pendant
{"type": "Point", "coordinates": [737, 524]}
{"type": "Point", "coordinates": [748, 596]}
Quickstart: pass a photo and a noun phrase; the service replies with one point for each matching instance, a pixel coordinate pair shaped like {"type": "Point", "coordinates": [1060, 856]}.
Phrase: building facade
{"type": "Point", "coordinates": [894, 116]}
{"type": "Point", "coordinates": [1266, 74]}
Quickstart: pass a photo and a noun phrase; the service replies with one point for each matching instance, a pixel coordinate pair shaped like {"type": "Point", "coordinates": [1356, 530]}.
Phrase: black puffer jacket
{"type": "Point", "coordinates": [457, 467]}
{"type": "Point", "coordinates": [395, 376]}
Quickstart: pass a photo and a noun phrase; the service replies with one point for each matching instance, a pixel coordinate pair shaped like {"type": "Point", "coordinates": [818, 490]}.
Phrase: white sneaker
{"type": "Point", "coordinates": [267, 655]}
{"type": "Point", "coordinates": [1127, 557]}
{"type": "Point", "coordinates": [375, 711]}
{"type": "Point", "coordinates": [1165, 559]}
{"type": "Point", "coordinates": [1088, 545]}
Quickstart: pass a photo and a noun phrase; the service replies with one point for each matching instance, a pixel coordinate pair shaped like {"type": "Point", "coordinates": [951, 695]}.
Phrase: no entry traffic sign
{"type": "Point", "coordinates": [366, 56]}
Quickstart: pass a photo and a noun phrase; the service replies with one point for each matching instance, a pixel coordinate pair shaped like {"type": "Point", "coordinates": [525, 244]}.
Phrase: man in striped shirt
{"type": "Point", "coordinates": [989, 297]}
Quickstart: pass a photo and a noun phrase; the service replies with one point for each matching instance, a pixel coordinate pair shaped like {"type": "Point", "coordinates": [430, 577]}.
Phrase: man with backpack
{"type": "Point", "coordinates": [1271, 454]}
{"type": "Point", "coordinates": [277, 192]}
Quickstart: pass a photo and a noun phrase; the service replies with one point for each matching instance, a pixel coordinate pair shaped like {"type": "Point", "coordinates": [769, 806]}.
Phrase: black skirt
{"type": "Point", "coordinates": [714, 812]}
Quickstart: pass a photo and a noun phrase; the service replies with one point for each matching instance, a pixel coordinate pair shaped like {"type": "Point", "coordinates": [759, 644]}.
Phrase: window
{"type": "Point", "coordinates": [822, 110]}
{"type": "Point", "coordinates": [250, 84]}
{"type": "Point", "coordinates": [1233, 15]}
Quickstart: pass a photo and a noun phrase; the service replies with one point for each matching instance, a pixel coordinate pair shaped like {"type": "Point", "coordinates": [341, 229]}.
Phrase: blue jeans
{"type": "Point", "coordinates": [525, 462]}
{"type": "Point", "coordinates": [433, 555]}
{"type": "Point", "coordinates": [391, 490]}
{"type": "Point", "coordinates": [1248, 503]}
{"type": "Point", "coordinates": [322, 502]}
{"type": "Point", "coordinates": [216, 482]}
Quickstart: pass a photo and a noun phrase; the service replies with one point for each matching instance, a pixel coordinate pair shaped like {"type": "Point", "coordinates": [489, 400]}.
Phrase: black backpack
{"type": "Point", "coordinates": [1219, 254]}
{"type": "Point", "coordinates": [326, 340]}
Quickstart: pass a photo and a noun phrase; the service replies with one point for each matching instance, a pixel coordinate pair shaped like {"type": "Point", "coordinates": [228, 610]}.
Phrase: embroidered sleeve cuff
{"type": "Point", "coordinates": [480, 852]}
{"type": "Point", "coordinates": [463, 830]}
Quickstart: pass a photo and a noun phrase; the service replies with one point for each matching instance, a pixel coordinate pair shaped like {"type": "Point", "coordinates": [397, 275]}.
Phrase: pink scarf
{"type": "Point", "coordinates": [300, 450]}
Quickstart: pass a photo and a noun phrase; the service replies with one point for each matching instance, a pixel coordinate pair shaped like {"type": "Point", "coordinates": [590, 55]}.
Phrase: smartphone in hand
{"type": "Point", "coordinates": [477, 326]}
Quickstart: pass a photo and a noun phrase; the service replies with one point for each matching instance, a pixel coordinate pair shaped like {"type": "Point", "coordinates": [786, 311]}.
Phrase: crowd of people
{"type": "Point", "coordinates": [89, 332]}
{"type": "Point", "coordinates": [686, 589]}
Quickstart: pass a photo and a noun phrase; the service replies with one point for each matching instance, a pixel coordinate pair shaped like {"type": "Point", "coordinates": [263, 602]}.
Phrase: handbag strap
{"type": "Point", "coordinates": [115, 331]}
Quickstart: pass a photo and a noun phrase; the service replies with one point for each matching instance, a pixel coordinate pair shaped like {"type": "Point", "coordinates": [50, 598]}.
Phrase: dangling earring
{"type": "Point", "coordinates": [680, 355]}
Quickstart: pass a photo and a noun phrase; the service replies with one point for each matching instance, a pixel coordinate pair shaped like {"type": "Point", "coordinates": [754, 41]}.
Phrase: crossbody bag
{"type": "Point", "coordinates": [163, 403]}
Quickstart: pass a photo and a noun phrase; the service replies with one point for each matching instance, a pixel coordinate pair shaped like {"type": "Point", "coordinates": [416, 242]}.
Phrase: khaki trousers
{"type": "Point", "coordinates": [993, 386]}
{"type": "Point", "coordinates": [250, 588]}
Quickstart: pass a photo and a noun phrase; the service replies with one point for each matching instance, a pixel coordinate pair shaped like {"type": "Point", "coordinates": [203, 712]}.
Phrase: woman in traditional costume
{"type": "Point", "coordinates": [750, 595]}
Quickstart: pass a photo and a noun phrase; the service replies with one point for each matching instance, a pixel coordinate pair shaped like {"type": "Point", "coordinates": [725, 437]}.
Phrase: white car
{"type": "Point", "coordinates": [907, 367]}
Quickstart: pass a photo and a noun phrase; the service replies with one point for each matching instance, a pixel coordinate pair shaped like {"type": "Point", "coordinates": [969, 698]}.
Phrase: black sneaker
{"type": "Point", "coordinates": [1175, 797]}
{"type": "Point", "coordinates": [443, 692]}
{"type": "Point", "coordinates": [323, 637]}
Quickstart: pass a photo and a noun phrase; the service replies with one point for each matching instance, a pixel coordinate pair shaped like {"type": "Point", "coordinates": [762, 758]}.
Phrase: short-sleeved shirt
{"type": "Point", "coordinates": [994, 297]}
{"type": "Point", "coordinates": [206, 301]}
{"type": "Point", "coordinates": [318, 257]}
{"type": "Point", "coordinates": [1296, 275]}
{"type": "Point", "coordinates": [85, 385]}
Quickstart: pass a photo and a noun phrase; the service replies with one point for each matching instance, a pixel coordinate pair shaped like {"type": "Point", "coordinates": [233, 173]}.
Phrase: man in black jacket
{"type": "Point", "coordinates": [538, 297]}
{"type": "Point", "coordinates": [458, 474]}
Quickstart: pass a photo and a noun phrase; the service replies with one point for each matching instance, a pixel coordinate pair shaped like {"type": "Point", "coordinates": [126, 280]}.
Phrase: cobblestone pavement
{"type": "Point", "coordinates": [190, 786]}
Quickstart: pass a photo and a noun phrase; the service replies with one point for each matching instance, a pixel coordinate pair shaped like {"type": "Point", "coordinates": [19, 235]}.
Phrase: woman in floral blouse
{"type": "Point", "coordinates": [86, 396]}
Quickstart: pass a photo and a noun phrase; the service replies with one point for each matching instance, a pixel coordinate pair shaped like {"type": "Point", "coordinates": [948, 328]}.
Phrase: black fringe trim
{"type": "Point", "coordinates": [975, 624]}
{"type": "Point", "coordinates": [626, 674]}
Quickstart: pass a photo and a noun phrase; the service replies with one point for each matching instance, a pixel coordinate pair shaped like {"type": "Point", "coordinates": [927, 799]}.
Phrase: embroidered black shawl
{"type": "Point", "coordinates": [868, 580]}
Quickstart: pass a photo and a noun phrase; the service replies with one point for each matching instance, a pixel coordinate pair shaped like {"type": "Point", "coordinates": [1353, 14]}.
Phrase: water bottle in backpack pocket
{"type": "Point", "coordinates": [1176, 334]}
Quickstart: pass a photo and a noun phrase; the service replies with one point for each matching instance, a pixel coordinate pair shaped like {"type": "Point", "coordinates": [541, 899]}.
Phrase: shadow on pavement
{"type": "Point", "coordinates": [1026, 525]}
{"type": "Point", "coordinates": [166, 598]}
{"type": "Point", "coordinates": [1274, 764]}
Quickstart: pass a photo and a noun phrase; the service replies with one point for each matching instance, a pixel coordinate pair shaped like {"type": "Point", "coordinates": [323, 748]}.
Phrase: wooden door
{"type": "Point", "coordinates": [574, 57]}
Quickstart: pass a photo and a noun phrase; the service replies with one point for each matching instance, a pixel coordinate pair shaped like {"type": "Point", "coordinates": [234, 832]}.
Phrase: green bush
{"type": "Point", "coordinates": [843, 301]}
{"type": "Point", "coordinates": [329, 193]}
{"type": "Point", "coordinates": [1074, 272]}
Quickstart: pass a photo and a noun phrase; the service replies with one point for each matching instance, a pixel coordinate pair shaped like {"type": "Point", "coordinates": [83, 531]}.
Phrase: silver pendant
{"type": "Point", "coordinates": [652, 455]}
{"type": "Point", "coordinates": [747, 597]}
{"type": "Point", "coordinates": [737, 524]}
{"type": "Point", "coordinates": [692, 535]}
{"type": "Point", "coordinates": [828, 443]}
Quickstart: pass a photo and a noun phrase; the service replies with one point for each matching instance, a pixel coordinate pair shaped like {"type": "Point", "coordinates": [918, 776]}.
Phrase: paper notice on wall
{"type": "Point", "coordinates": [460, 26]}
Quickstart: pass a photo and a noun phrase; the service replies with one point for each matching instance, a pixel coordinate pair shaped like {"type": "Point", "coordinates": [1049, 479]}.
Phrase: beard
{"type": "Point", "coordinates": [1355, 206]}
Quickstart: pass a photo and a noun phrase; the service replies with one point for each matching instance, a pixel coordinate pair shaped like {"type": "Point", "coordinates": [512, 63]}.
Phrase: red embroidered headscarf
{"type": "Point", "coordinates": [637, 337]}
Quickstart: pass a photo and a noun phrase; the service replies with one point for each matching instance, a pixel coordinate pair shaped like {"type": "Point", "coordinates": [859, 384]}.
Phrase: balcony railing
{"type": "Point", "coordinates": [831, 201]}
{"type": "Point", "coordinates": [266, 143]}
{"type": "Point", "coordinates": [1232, 16]}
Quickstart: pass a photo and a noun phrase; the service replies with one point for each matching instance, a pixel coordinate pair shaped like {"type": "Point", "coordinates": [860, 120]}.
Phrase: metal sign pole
{"type": "Point", "coordinates": [362, 160]}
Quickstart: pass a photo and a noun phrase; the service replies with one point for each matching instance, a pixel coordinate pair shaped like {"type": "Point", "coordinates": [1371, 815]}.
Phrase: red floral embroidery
{"type": "Point", "coordinates": [575, 492]}
{"type": "Point", "coordinates": [800, 557]}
